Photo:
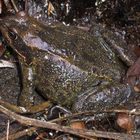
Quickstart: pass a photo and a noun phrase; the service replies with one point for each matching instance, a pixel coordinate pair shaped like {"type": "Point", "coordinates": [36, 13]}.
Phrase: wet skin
{"type": "Point", "coordinates": [66, 65]}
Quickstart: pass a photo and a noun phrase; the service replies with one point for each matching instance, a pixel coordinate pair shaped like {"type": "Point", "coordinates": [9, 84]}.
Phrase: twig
{"type": "Point", "coordinates": [89, 134]}
{"type": "Point", "coordinates": [94, 112]}
{"type": "Point", "coordinates": [26, 6]}
{"type": "Point", "coordinates": [0, 6]}
{"type": "Point", "coordinates": [22, 110]}
{"type": "Point", "coordinates": [21, 133]}
{"type": "Point", "coordinates": [38, 123]}
{"type": "Point", "coordinates": [14, 5]}
{"type": "Point", "coordinates": [44, 105]}
{"type": "Point", "coordinates": [7, 132]}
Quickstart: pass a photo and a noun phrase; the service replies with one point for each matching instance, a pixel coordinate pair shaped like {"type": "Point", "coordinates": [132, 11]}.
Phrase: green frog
{"type": "Point", "coordinates": [66, 65]}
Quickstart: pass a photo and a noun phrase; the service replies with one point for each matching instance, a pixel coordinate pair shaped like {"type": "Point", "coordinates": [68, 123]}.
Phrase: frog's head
{"type": "Point", "coordinates": [11, 27]}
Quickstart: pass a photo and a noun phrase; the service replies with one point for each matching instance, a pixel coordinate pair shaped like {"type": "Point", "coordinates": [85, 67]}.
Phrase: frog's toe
{"type": "Point", "coordinates": [104, 98]}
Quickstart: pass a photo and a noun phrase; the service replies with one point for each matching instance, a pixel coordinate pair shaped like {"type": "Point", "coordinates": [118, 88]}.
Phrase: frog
{"type": "Point", "coordinates": [66, 65]}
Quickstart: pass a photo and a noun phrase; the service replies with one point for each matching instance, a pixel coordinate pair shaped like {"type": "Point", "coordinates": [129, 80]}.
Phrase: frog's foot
{"type": "Point", "coordinates": [103, 98]}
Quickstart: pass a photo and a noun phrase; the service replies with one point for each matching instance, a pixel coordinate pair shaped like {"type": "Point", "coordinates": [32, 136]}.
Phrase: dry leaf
{"type": "Point", "coordinates": [134, 69]}
{"type": "Point", "coordinates": [51, 9]}
{"type": "Point", "coordinates": [77, 124]}
{"type": "Point", "coordinates": [133, 74]}
{"type": "Point", "coordinates": [125, 121]}
{"type": "Point", "coordinates": [136, 50]}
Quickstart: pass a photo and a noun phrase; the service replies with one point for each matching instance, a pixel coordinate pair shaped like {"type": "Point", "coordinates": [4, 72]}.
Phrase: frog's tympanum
{"type": "Point", "coordinates": [66, 65]}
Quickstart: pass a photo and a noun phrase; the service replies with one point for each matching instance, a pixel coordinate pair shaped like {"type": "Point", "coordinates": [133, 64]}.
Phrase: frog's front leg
{"type": "Point", "coordinates": [102, 98]}
{"type": "Point", "coordinates": [27, 81]}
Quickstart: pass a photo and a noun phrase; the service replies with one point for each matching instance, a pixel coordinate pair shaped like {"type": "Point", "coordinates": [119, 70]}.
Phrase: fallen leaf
{"type": "Point", "coordinates": [77, 124]}
{"type": "Point", "coordinates": [134, 69]}
{"type": "Point", "coordinates": [136, 50]}
{"type": "Point", "coordinates": [51, 9]}
{"type": "Point", "coordinates": [133, 74]}
{"type": "Point", "coordinates": [125, 121]}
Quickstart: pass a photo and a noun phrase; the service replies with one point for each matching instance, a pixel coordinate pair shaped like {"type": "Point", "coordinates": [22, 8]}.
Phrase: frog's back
{"type": "Point", "coordinates": [66, 61]}
{"type": "Point", "coordinates": [83, 50]}
{"type": "Point", "coordinates": [75, 45]}
{"type": "Point", "coordinates": [74, 62]}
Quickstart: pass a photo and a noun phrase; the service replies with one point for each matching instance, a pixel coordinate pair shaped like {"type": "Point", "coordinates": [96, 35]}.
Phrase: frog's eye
{"type": "Point", "coordinates": [12, 35]}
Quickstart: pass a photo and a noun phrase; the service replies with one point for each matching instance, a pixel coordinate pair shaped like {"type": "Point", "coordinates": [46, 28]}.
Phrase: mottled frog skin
{"type": "Point", "coordinates": [66, 65]}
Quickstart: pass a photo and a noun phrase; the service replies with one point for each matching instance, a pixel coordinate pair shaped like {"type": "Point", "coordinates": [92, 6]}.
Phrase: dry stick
{"type": "Point", "coordinates": [38, 123]}
{"type": "Point", "coordinates": [7, 133]}
{"type": "Point", "coordinates": [11, 107]}
{"type": "Point", "coordinates": [0, 6]}
{"type": "Point", "coordinates": [21, 133]}
{"type": "Point", "coordinates": [44, 105]}
{"type": "Point", "coordinates": [26, 6]}
{"type": "Point", "coordinates": [94, 112]}
{"type": "Point", "coordinates": [82, 133]}
{"type": "Point", "coordinates": [22, 110]}
{"type": "Point", "coordinates": [14, 5]}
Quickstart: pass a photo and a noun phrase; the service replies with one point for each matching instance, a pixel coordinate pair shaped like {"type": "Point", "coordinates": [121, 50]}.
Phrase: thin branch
{"type": "Point", "coordinates": [89, 134]}
{"type": "Point", "coordinates": [22, 133]}
{"type": "Point", "coordinates": [22, 110]}
{"type": "Point", "coordinates": [0, 6]}
{"type": "Point", "coordinates": [7, 132]}
{"type": "Point", "coordinates": [14, 5]}
{"type": "Point", "coordinates": [94, 112]}
{"type": "Point", "coordinates": [38, 123]}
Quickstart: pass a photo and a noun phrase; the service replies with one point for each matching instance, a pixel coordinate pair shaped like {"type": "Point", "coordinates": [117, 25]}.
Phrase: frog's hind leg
{"type": "Point", "coordinates": [103, 98]}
